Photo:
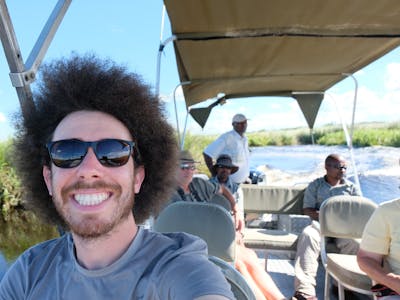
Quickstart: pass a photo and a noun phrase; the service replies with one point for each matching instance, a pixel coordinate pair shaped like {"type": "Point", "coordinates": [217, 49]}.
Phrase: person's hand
{"type": "Point", "coordinates": [395, 282]}
{"type": "Point", "coordinates": [312, 213]}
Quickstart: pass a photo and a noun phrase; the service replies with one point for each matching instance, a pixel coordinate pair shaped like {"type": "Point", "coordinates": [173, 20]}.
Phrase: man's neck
{"type": "Point", "coordinates": [103, 251]}
{"type": "Point", "coordinates": [222, 181]}
{"type": "Point", "coordinates": [239, 133]}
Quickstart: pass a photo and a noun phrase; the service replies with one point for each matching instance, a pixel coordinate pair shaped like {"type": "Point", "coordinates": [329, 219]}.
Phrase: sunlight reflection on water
{"type": "Point", "coordinates": [378, 167]}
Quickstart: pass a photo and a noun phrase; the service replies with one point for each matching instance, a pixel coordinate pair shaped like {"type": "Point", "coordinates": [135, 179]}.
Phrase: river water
{"type": "Point", "coordinates": [378, 167]}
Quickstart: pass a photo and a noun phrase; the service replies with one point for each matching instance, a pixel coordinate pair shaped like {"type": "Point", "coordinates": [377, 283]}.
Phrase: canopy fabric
{"type": "Point", "coordinates": [276, 48]}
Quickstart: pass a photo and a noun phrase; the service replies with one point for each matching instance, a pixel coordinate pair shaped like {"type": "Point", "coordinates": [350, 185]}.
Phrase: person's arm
{"type": "Point", "coordinates": [235, 208]}
{"type": "Point", "coordinates": [371, 264]}
{"type": "Point", "coordinates": [312, 213]}
{"type": "Point", "coordinates": [209, 162]}
{"type": "Point", "coordinates": [310, 201]}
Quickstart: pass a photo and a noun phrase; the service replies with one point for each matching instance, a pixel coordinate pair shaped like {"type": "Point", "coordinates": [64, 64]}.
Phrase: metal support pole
{"type": "Point", "coordinates": [21, 74]}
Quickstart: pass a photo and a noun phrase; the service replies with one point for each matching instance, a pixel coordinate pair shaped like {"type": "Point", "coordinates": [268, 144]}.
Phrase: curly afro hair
{"type": "Point", "coordinates": [89, 83]}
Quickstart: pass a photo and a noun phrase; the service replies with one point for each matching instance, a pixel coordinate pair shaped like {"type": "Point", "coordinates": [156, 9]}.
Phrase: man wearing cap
{"type": "Point", "coordinates": [223, 169]}
{"type": "Point", "coordinates": [235, 144]}
{"type": "Point", "coordinates": [196, 189]}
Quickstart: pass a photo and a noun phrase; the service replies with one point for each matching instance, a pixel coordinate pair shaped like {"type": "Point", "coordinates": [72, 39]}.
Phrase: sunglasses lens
{"type": "Point", "coordinates": [109, 152]}
{"type": "Point", "coordinates": [113, 153]}
{"type": "Point", "coordinates": [67, 153]}
{"type": "Point", "coordinates": [188, 167]}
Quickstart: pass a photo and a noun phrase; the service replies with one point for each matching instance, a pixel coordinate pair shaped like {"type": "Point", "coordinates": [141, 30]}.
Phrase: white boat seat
{"type": "Point", "coordinates": [271, 239]}
{"type": "Point", "coordinates": [344, 217]}
{"type": "Point", "coordinates": [346, 269]}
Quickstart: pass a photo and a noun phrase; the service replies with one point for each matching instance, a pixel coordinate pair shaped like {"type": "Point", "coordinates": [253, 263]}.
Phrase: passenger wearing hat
{"type": "Point", "coordinates": [223, 169]}
{"type": "Point", "coordinates": [246, 261]}
{"type": "Point", "coordinates": [235, 144]}
{"type": "Point", "coordinates": [197, 189]}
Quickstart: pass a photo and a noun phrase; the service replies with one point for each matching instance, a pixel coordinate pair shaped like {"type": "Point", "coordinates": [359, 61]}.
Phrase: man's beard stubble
{"type": "Point", "coordinates": [91, 227]}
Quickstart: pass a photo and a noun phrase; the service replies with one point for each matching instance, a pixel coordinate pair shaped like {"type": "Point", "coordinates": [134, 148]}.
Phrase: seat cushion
{"type": "Point", "coordinates": [260, 238]}
{"type": "Point", "coordinates": [346, 269]}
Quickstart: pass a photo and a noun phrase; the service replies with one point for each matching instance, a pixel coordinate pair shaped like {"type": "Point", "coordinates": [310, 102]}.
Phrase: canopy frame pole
{"type": "Point", "coordinates": [176, 113]}
{"type": "Point", "coordinates": [182, 144]}
{"type": "Point", "coordinates": [349, 137]}
{"type": "Point", "coordinates": [158, 71]}
{"type": "Point", "coordinates": [21, 74]}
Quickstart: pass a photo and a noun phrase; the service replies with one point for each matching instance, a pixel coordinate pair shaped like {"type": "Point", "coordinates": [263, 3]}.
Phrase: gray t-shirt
{"type": "Point", "coordinates": [319, 190]}
{"type": "Point", "coordinates": [155, 266]}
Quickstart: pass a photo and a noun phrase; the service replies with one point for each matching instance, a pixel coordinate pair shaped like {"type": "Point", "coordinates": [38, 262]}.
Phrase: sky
{"type": "Point", "coordinates": [129, 32]}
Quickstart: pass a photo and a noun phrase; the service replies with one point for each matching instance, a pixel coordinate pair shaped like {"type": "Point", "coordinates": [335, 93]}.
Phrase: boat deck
{"type": "Point", "coordinates": [281, 269]}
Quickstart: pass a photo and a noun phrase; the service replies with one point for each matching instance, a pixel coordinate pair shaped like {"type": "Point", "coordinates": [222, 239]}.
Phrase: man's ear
{"type": "Point", "coordinates": [139, 177]}
{"type": "Point", "coordinates": [47, 178]}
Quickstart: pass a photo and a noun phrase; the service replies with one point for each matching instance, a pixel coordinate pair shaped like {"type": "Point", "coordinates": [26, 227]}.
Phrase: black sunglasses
{"type": "Point", "coordinates": [70, 153]}
{"type": "Point", "coordinates": [338, 167]}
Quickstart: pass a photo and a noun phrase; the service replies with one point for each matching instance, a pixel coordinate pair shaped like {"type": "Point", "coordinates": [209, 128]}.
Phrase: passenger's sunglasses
{"type": "Point", "coordinates": [338, 167]}
{"type": "Point", "coordinates": [109, 152]}
{"type": "Point", "coordinates": [188, 167]}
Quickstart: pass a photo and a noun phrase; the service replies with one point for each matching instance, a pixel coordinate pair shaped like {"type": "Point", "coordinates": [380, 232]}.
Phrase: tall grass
{"type": "Point", "coordinates": [19, 229]}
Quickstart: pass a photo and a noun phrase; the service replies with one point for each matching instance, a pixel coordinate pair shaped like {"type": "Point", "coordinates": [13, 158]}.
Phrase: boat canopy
{"type": "Point", "coordinates": [287, 48]}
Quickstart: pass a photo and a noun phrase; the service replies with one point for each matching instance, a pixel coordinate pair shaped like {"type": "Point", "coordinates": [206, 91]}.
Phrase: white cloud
{"type": "Point", "coordinates": [2, 118]}
{"type": "Point", "coordinates": [392, 78]}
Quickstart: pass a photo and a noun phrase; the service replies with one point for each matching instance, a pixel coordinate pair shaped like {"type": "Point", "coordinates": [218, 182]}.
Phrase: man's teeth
{"type": "Point", "coordinates": [90, 199]}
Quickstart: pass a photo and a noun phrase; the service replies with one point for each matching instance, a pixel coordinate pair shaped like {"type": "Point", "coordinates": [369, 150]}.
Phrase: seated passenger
{"type": "Point", "coordinates": [223, 169]}
{"type": "Point", "coordinates": [199, 190]}
{"type": "Point", "coordinates": [379, 254]}
{"type": "Point", "coordinates": [308, 245]}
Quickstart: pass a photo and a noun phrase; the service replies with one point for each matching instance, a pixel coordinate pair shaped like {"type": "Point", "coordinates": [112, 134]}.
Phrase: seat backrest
{"type": "Point", "coordinates": [239, 286]}
{"type": "Point", "coordinates": [345, 216]}
{"type": "Point", "coordinates": [208, 221]}
{"type": "Point", "coordinates": [273, 199]}
{"type": "Point", "coordinates": [221, 200]}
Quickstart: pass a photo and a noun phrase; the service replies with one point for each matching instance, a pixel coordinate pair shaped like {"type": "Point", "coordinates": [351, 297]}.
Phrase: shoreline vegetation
{"type": "Point", "coordinates": [20, 229]}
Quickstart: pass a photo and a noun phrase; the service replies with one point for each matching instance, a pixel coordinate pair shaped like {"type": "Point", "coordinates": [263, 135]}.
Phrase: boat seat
{"type": "Point", "coordinates": [239, 286]}
{"type": "Point", "coordinates": [211, 222]}
{"type": "Point", "coordinates": [273, 200]}
{"type": "Point", "coordinates": [270, 239]}
{"type": "Point", "coordinates": [222, 201]}
{"type": "Point", "coordinates": [344, 217]}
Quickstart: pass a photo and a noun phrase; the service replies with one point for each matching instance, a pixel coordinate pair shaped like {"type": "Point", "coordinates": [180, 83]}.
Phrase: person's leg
{"type": "Point", "coordinates": [261, 278]}
{"type": "Point", "coordinates": [306, 261]}
{"type": "Point", "coordinates": [242, 268]}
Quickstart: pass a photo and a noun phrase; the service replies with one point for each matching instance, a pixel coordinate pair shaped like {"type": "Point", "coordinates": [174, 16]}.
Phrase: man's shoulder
{"type": "Point", "coordinates": [180, 254]}
{"type": "Point", "coordinates": [41, 256]}
{"type": "Point", "coordinates": [390, 205]}
{"type": "Point", "coordinates": [199, 181]}
{"type": "Point", "coordinates": [47, 247]}
{"type": "Point", "coordinates": [317, 182]}
{"type": "Point", "coordinates": [178, 240]}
